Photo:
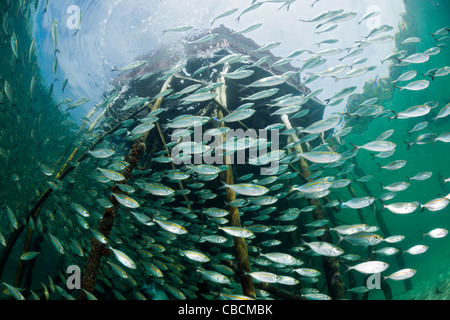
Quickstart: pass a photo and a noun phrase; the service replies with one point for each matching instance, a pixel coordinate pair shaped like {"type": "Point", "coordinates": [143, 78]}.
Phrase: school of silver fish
{"type": "Point", "coordinates": [164, 244]}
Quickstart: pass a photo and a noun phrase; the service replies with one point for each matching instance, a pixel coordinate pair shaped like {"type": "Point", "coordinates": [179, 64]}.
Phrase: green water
{"type": "Point", "coordinates": [35, 133]}
{"type": "Point", "coordinates": [420, 158]}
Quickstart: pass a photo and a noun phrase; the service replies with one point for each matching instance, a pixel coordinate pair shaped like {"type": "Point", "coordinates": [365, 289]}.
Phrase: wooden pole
{"type": "Point", "coordinates": [243, 260]}
{"type": "Point", "coordinates": [98, 250]}
{"type": "Point", "coordinates": [64, 171]}
{"type": "Point", "coordinates": [29, 236]}
{"type": "Point", "coordinates": [386, 233]}
{"type": "Point", "coordinates": [333, 276]}
{"type": "Point", "coordinates": [106, 224]}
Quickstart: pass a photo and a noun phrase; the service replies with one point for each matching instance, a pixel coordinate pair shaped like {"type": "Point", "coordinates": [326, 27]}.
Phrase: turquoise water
{"type": "Point", "coordinates": [39, 133]}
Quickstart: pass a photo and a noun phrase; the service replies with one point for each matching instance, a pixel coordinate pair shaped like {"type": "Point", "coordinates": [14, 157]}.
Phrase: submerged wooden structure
{"type": "Point", "coordinates": [193, 57]}
{"type": "Point", "coordinates": [187, 59]}
{"type": "Point", "coordinates": [154, 79]}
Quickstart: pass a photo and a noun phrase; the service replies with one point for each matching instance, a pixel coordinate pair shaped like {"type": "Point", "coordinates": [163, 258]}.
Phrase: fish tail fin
{"type": "Point", "coordinates": [347, 267]}
{"type": "Point", "coordinates": [395, 115]}
{"type": "Point", "coordinates": [114, 69]}
{"type": "Point", "coordinates": [382, 187]}
{"type": "Point", "coordinates": [327, 101]}
{"type": "Point", "coordinates": [408, 144]}
{"type": "Point", "coordinates": [319, 26]}
{"type": "Point", "coordinates": [422, 207]}
{"type": "Point", "coordinates": [380, 167]}
{"type": "Point", "coordinates": [224, 185]}
{"type": "Point", "coordinates": [355, 147]}
{"type": "Point", "coordinates": [290, 188]}
{"type": "Point", "coordinates": [382, 204]}
{"type": "Point", "coordinates": [423, 234]}
{"type": "Point", "coordinates": [440, 175]}
{"type": "Point", "coordinates": [373, 156]}
{"type": "Point", "coordinates": [340, 238]}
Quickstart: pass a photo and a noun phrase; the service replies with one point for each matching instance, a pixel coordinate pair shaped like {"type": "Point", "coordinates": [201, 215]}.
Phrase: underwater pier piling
{"type": "Point", "coordinates": [330, 264]}
{"type": "Point", "coordinates": [243, 259]}
{"type": "Point", "coordinates": [161, 135]}
{"type": "Point", "coordinates": [386, 233]}
{"type": "Point", "coordinates": [34, 214]}
{"type": "Point", "coordinates": [98, 250]}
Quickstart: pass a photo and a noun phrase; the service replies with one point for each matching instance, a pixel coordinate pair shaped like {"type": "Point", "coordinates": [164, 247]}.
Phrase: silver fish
{"type": "Point", "coordinates": [324, 248]}
{"type": "Point", "coordinates": [370, 15]}
{"type": "Point", "coordinates": [436, 233]}
{"type": "Point", "coordinates": [402, 207]}
{"type": "Point", "coordinates": [396, 186]}
{"type": "Point", "coordinates": [377, 146]}
{"type": "Point", "coordinates": [251, 8]}
{"type": "Point", "coordinates": [436, 204]}
{"type": "Point", "coordinates": [270, 81]}
{"type": "Point", "coordinates": [225, 14]}
{"type": "Point", "coordinates": [345, 16]}
{"type": "Point", "coordinates": [178, 29]}
{"type": "Point", "coordinates": [322, 125]}
{"type": "Point", "coordinates": [321, 157]}
{"type": "Point", "coordinates": [402, 274]}
{"type": "Point", "coordinates": [416, 58]}
{"type": "Point", "coordinates": [333, 71]}
{"type": "Point", "coordinates": [406, 76]}
{"type": "Point", "coordinates": [262, 94]}
{"type": "Point", "coordinates": [242, 74]}
{"type": "Point", "coordinates": [444, 137]}
{"type": "Point", "coordinates": [239, 115]}
{"type": "Point", "coordinates": [55, 32]}
{"type": "Point", "coordinates": [131, 66]}
{"type": "Point", "coordinates": [395, 165]}
{"type": "Point", "coordinates": [358, 203]}
{"type": "Point", "coordinates": [325, 15]}
{"type": "Point", "coordinates": [417, 249]}
{"type": "Point", "coordinates": [421, 176]}
{"type": "Point", "coordinates": [370, 267]}
{"type": "Point", "coordinates": [413, 112]}
{"type": "Point", "coordinates": [268, 46]}
{"type": "Point", "coordinates": [411, 40]}
{"type": "Point", "coordinates": [419, 126]}
{"type": "Point", "coordinates": [444, 112]}
{"type": "Point", "coordinates": [251, 28]}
